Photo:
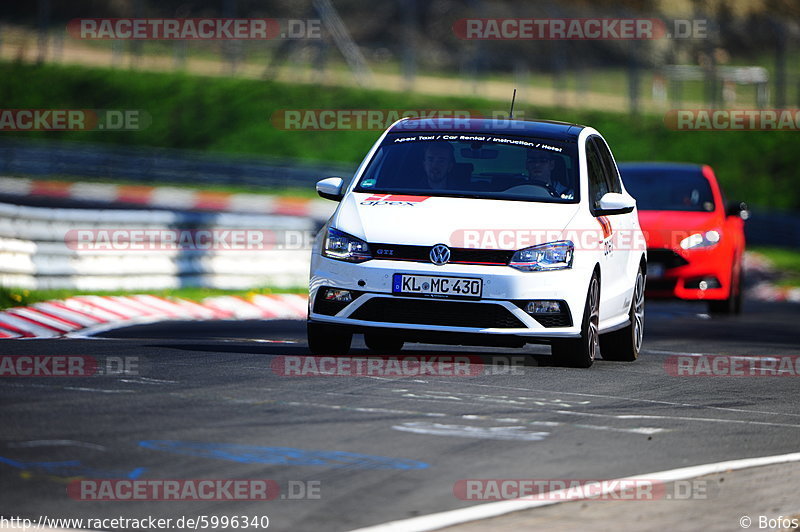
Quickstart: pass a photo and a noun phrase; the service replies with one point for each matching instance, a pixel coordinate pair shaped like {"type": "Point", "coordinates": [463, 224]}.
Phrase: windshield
{"type": "Point", "coordinates": [474, 165]}
{"type": "Point", "coordinates": [668, 189]}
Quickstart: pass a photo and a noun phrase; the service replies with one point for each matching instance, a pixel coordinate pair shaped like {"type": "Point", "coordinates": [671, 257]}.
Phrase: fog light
{"type": "Point", "coordinates": [702, 283]}
{"type": "Point", "coordinates": [342, 296]}
{"type": "Point", "coordinates": [543, 307]}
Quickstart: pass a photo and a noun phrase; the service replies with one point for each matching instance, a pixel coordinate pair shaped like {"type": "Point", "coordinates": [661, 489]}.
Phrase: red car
{"type": "Point", "coordinates": [695, 241]}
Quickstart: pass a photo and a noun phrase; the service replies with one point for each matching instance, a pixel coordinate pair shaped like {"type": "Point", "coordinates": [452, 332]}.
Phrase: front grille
{"type": "Point", "coordinates": [492, 257]}
{"type": "Point", "coordinates": [445, 313]}
{"type": "Point", "coordinates": [667, 257]}
{"type": "Point", "coordinates": [554, 320]}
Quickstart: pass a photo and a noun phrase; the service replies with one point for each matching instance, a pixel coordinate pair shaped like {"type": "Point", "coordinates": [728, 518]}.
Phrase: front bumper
{"type": "Point", "coordinates": [499, 312]}
{"type": "Point", "coordinates": [698, 275]}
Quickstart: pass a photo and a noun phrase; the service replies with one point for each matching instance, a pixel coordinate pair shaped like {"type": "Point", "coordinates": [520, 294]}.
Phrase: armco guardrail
{"type": "Point", "coordinates": [781, 229]}
{"type": "Point", "coordinates": [158, 165]}
{"type": "Point", "coordinates": [21, 189]}
{"type": "Point", "coordinates": [40, 248]}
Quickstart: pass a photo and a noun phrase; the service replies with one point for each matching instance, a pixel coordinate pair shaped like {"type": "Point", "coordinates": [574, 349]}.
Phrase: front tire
{"type": "Point", "coordinates": [324, 339]}
{"type": "Point", "coordinates": [581, 352]}
{"type": "Point", "coordinates": [624, 345]}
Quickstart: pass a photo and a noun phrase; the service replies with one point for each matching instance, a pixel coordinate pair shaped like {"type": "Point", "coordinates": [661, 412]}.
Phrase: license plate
{"type": "Point", "coordinates": [655, 271]}
{"type": "Point", "coordinates": [436, 286]}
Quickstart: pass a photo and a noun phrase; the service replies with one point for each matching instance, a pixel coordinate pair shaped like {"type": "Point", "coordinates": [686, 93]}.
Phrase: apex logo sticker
{"type": "Point", "coordinates": [393, 199]}
{"type": "Point", "coordinates": [608, 231]}
{"type": "Point", "coordinates": [605, 223]}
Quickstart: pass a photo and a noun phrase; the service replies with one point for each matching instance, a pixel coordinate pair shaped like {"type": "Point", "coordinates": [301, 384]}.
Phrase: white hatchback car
{"type": "Point", "coordinates": [481, 232]}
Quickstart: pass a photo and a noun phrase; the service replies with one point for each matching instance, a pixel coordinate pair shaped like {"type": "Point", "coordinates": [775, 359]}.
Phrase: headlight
{"type": "Point", "coordinates": [700, 240]}
{"type": "Point", "coordinates": [341, 246]}
{"type": "Point", "coordinates": [552, 256]}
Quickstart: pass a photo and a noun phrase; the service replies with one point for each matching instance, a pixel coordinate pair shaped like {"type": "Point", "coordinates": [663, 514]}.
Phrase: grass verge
{"type": "Point", "coordinates": [784, 259]}
{"type": "Point", "coordinates": [235, 116]}
{"type": "Point", "coordinates": [18, 297]}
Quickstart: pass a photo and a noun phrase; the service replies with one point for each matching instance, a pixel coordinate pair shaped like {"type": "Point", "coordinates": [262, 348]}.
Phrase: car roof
{"type": "Point", "coordinates": [548, 129]}
{"type": "Point", "coordinates": [659, 166]}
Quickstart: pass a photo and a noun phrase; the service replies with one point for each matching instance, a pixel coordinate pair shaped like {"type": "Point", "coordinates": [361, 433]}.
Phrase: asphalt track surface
{"type": "Point", "coordinates": [205, 403]}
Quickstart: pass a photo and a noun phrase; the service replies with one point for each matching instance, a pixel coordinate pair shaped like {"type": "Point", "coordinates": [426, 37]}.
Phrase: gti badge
{"type": "Point", "coordinates": [440, 254]}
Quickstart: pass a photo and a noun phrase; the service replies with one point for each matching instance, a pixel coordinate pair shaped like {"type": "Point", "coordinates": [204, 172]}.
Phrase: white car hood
{"type": "Point", "coordinates": [425, 221]}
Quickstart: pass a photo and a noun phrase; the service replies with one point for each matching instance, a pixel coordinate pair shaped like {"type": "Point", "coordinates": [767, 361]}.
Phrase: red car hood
{"type": "Point", "coordinates": [665, 229]}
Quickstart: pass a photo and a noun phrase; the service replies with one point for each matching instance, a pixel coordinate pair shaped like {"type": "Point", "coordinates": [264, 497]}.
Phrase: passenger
{"type": "Point", "coordinates": [540, 166]}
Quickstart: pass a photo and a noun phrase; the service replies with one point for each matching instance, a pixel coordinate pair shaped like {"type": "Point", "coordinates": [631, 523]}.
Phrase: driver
{"type": "Point", "coordinates": [540, 166]}
{"type": "Point", "coordinates": [438, 163]}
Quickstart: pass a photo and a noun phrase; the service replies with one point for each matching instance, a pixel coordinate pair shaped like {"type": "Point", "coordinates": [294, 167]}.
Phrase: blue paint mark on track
{"type": "Point", "coordinates": [248, 454]}
{"type": "Point", "coordinates": [71, 468]}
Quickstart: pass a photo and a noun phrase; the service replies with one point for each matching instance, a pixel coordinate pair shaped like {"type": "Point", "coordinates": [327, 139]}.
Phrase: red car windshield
{"type": "Point", "coordinates": [668, 189]}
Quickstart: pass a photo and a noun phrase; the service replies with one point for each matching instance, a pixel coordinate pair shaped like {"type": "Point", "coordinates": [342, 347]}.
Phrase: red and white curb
{"type": "Point", "coordinates": [168, 197]}
{"type": "Point", "coordinates": [756, 264]}
{"type": "Point", "coordinates": [86, 315]}
{"type": "Point", "coordinates": [770, 292]}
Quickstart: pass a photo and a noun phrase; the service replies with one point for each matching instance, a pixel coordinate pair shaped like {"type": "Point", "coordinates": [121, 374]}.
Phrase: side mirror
{"type": "Point", "coordinates": [613, 203]}
{"type": "Point", "coordinates": [737, 208]}
{"type": "Point", "coordinates": [331, 188]}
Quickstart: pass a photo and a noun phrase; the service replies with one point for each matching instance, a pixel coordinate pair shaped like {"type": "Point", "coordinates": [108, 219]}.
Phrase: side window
{"type": "Point", "coordinates": [598, 185]}
{"type": "Point", "coordinates": [608, 164]}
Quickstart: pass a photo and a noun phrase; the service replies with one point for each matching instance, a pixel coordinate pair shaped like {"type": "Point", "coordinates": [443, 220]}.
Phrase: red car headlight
{"type": "Point", "coordinates": [701, 240]}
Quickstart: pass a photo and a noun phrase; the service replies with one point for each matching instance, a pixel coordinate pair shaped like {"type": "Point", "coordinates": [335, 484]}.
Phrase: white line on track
{"type": "Point", "coordinates": [737, 357]}
{"type": "Point", "coordinates": [95, 390]}
{"type": "Point", "coordinates": [678, 418]}
{"type": "Point", "coordinates": [648, 431]}
{"type": "Point", "coordinates": [494, 509]}
{"type": "Point", "coordinates": [504, 433]}
{"type": "Point", "coordinates": [632, 430]}
{"type": "Point", "coordinates": [369, 410]}
{"type": "Point", "coordinates": [638, 399]}
{"type": "Point", "coordinates": [57, 443]}
{"type": "Point", "coordinates": [61, 387]}
{"type": "Point", "coordinates": [146, 380]}
{"type": "Point", "coordinates": [662, 352]}
{"type": "Point", "coordinates": [472, 417]}
{"type": "Point", "coordinates": [484, 399]}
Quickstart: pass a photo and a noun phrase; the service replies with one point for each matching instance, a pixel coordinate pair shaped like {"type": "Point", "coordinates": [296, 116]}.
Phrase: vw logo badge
{"type": "Point", "coordinates": [440, 254]}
